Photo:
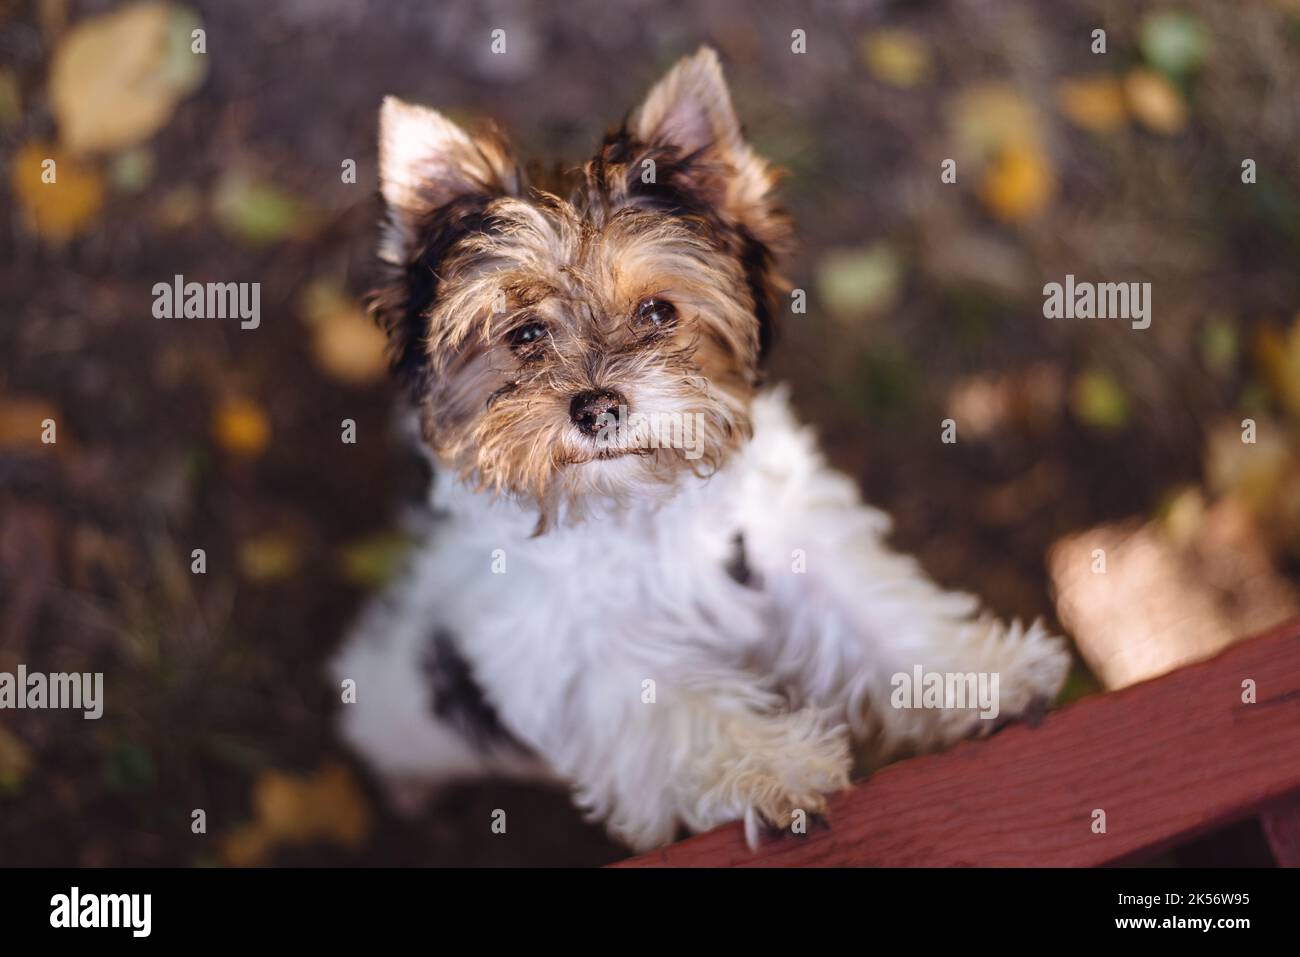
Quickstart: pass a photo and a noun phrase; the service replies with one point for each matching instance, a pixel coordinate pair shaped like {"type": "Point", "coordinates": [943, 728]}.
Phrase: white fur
{"type": "Point", "coordinates": [758, 688]}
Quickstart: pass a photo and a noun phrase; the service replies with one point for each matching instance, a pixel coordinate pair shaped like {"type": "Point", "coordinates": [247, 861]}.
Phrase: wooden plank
{"type": "Point", "coordinates": [1281, 827]}
{"type": "Point", "coordinates": [1166, 760]}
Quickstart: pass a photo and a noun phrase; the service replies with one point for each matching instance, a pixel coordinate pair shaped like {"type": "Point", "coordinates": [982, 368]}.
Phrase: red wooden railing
{"type": "Point", "coordinates": [1166, 760]}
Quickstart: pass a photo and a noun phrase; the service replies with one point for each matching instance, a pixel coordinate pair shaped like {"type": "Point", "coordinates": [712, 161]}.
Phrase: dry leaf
{"type": "Point", "coordinates": [294, 809]}
{"type": "Point", "coordinates": [258, 212]}
{"type": "Point", "coordinates": [1095, 104]}
{"type": "Point", "coordinates": [116, 78]}
{"type": "Point", "coordinates": [373, 561]}
{"type": "Point", "coordinates": [1278, 355]}
{"type": "Point", "coordinates": [15, 762]}
{"type": "Point", "coordinates": [11, 100]}
{"type": "Point", "coordinates": [858, 283]}
{"type": "Point", "coordinates": [242, 428]}
{"type": "Point", "coordinates": [1157, 604]}
{"type": "Point", "coordinates": [20, 421]}
{"type": "Point", "coordinates": [897, 57]}
{"type": "Point", "coordinates": [268, 558]}
{"type": "Point", "coordinates": [56, 211]}
{"type": "Point", "coordinates": [1099, 400]}
{"type": "Point", "coordinates": [1154, 101]}
{"type": "Point", "coordinates": [988, 118]}
{"type": "Point", "coordinates": [1019, 184]}
{"type": "Point", "coordinates": [346, 344]}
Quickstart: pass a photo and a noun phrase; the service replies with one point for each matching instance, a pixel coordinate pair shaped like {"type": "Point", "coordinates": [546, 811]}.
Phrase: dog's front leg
{"type": "Point", "coordinates": [695, 753]}
{"type": "Point", "coordinates": [863, 625]}
{"type": "Point", "coordinates": [858, 620]}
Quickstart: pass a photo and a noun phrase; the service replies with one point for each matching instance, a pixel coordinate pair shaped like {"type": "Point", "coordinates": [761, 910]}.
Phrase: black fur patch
{"type": "Point", "coordinates": [403, 308]}
{"type": "Point", "coordinates": [738, 565]}
{"type": "Point", "coordinates": [456, 697]}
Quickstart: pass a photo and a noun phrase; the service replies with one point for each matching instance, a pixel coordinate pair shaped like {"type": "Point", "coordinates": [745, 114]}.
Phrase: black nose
{"type": "Point", "coordinates": [587, 408]}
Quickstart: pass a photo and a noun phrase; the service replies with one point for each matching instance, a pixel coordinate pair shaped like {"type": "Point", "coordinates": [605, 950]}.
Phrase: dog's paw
{"type": "Point", "coordinates": [779, 768]}
{"type": "Point", "coordinates": [1031, 666]}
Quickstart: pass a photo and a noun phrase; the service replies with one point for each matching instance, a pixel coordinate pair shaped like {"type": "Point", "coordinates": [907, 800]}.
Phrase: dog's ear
{"type": "Point", "coordinates": [425, 162]}
{"type": "Point", "coordinates": [690, 111]}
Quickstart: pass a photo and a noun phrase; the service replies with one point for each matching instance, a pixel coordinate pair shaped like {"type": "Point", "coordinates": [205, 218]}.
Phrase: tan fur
{"type": "Point", "coordinates": [499, 415]}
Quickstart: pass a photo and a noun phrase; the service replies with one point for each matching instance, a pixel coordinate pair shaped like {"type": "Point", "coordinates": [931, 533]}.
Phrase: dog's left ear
{"type": "Point", "coordinates": [427, 162]}
{"type": "Point", "coordinates": [690, 111]}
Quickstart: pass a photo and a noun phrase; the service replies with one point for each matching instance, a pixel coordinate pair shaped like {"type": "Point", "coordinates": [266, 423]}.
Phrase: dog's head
{"type": "Point", "coordinates": [597, 340]}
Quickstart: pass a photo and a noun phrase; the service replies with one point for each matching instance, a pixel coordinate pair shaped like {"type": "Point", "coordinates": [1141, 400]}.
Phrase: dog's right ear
{"type": "Point", "coordinates": [425, 162]}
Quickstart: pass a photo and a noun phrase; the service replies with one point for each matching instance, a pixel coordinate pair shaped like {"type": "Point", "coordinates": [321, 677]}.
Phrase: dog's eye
{"type": "Point", "coordinates": [526, 334]}
{"type": "Point", "coordinates": [657, 313]}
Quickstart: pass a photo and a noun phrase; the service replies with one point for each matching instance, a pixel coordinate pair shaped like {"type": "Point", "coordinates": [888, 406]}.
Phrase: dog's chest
{"type": "Point", "coordinates": [646, 587]}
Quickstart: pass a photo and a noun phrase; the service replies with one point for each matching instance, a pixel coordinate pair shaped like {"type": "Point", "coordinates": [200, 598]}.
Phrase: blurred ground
{"type": "Point", "coordinates": [924, 303]}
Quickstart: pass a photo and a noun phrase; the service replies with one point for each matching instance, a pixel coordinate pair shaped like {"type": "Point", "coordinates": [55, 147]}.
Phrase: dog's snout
{"type": "Point", "coordinates": [588, 409]}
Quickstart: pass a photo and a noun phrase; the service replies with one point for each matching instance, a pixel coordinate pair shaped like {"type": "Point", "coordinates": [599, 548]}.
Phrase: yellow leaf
{"type": "Point", "coordinates": [990, 117]}
{"type": "Point", "coordinates": [1278, 355]}
{"type": "Point", "coordinates": [1094, 103]}
{"type": "Point", "coordinates": [297, 809]}
{"type": "Point", "coordinates": [56, 211]}
{"type": "Point", "coordinates": [346, 344]}
{"type": "Point", "coordinates": [1019, 184]}
{"type": "Point", "coordinates": [268, 558]}
{"type": "Point", "coordinates": [1154, 101]}
{"type": "Point", "coordinates": [116, 78]}
{"type": "Point", "coordinates": [897, 57]}
{"type": "Point", "coordinates": [1254, 473]}
{"type": "Point", "coordinates": [242, 428]}
{"type": "Point", "coordinates": [11, 100]}
{"type": "Point", "coordinates": [20, 421]}
{"type": "Point", "coordinates": [15, 762]}
{"type": "Point", "coordinates": [1099, 400]}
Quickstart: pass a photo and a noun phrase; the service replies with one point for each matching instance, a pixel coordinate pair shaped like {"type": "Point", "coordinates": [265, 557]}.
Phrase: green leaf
{"type": "Point", "coordinates": [1099, 401]}
{"type": "Point", "coordinates": [1174, 42]}
{"type": "Point", "coordinates": [858, 283]}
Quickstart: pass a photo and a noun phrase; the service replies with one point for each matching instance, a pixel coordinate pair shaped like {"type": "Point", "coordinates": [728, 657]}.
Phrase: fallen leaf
{"type": "Point", "coordinates": [1156, 603]}
{"type": "Point", "coordinates": [242, 428]}
{"type": "Point", "coordinates": [1278, 356]}
{"type": "Point", "coordinates": [56, 211]}
{"type": "Point", "coordinates": [1219, 345]}
{"type": "Point", "coordinates": [1098, 400]}
{"type": "Point", "coordinates": [346, 343]}
{"type": "Point", "coordinates": [1154, 101]}
{"type": "Point", "coordinates": [179, 207]}
{"type": "Point", "coordinates": [268, 558]}
{"type": "Point", "coordinates": [257, 212]}
{"type": "Point", "coordinates": [1095, 104]}
{"type": "Point", "coordinates": [897, 57]}
{"type": "Point", "coordinates": [988, 118]}
{"type": "Point", "coordinates": [1019, 184]}
{"type": "Point", "coordinates": [373, 561]}
{"type": "Point", "coordinates": [20, 421]}
{"type": "Point", "coordinates": [116, 78]}
{"type": "Point", "coordinates": [11, 100]}
{"type": "Point", "coordinates": [294, 809]}
{"type": "Point", "coordinates": [1174, 42]}
{"type": "Point", "coordinates": [1263, 475]}
{"type": "Point", "coordinates": [859, 283]}
{"type": "Point", "coordinates": [132, 170]}
{"type": "Point", "coordinates": [15, 762]}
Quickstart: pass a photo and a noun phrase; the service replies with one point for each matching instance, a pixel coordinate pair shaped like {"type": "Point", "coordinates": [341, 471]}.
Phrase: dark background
{"type": "Point", "coordinates": [924, 302]}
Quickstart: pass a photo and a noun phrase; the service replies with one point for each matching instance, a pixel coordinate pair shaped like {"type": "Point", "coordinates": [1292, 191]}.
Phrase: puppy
{"type": "Point", "coordinates": [641, 577]}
